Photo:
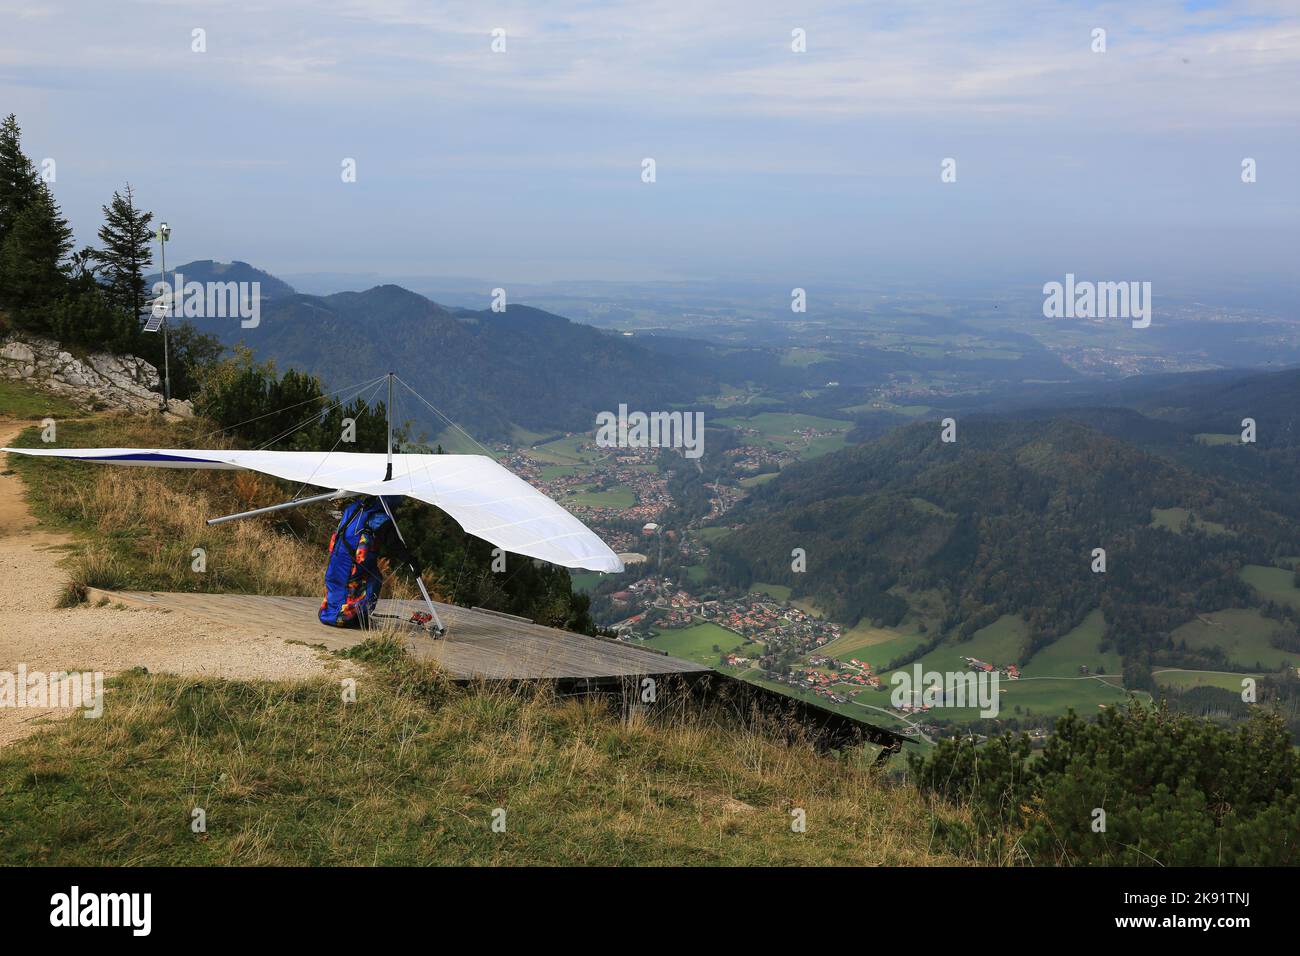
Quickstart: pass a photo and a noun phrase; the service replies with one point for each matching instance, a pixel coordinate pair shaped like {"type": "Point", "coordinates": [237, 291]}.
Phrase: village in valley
{"type": "Point", "coordinates": [759, 634]}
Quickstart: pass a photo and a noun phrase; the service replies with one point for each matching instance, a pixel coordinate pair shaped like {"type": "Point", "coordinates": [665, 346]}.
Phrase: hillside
{"type": "Point", "coordinates": [417, 770]}
{"type": "Point", "coordinates": [1004, 521]}
{"type": "Point", "coordinates": [486, 370]}
{"type": "Point", "coordinates": [209, 270]}
{"type": "Point", "coordinates": [410, 774]}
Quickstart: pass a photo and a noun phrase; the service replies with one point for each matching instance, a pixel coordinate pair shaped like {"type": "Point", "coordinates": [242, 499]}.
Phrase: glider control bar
{"type": "Point", "coordinates": [327, 496]}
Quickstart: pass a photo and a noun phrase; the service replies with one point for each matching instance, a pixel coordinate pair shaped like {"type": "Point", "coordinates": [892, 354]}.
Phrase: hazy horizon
{"type": "Point", "coordinates": [788, 167]}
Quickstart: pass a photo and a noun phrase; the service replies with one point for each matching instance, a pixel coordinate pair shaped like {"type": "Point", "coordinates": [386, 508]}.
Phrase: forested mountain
{"type": "Point", "coordinates": [486, 370]}
{"type": "Point", "coordinates": [209, 270]}
{"type": "Point", "coordinates": [1005, 520]}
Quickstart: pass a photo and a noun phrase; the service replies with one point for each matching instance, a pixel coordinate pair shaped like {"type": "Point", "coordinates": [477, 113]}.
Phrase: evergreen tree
{"type": "Point", "coordinates": [33, 261]}
{"type": "Point", "coordinates": [19, 183]}
{"type": "Point", "coordinates": [125, 254]}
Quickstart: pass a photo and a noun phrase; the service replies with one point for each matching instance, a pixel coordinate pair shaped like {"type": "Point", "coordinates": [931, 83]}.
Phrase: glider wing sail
{"type": "Point", "coordinates": [486, 499]}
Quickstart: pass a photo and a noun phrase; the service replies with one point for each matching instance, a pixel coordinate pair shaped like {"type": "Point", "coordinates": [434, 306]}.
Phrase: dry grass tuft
{"type": "Point", "coordinates": [414, 771]}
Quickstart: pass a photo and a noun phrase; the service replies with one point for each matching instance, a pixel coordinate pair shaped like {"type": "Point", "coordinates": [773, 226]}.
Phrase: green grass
{"type": "Point", "coordinates": [874, 645]}
{"type": "Point", "coordinates": [1210, 438]}
{"type": "Point", "coordinates": [930, 508]}
{"type": "Point", "coordinates": [802, 357]}
{"type": "Point", "coordinates": [1188, 679]}
{"type": "Point", "coordinates": [414, 771]}
{"type": "Point", "coordinates": [911, 411]}
{"type": "Point", "coordinates": [1051, 685]}
{"type": "Point", "coordinates": [695, 643]}
{"type": "Point", "coordinates": [696, 573]}
{"type": "Point", "coordinates": [456, 442]}
{"type": "Point", "coordinates": [1080, 646]}
{"type": "Point", "coordinates": [777, 430]}
{"type": "Point", "coordinates": [616, 497]}
{"type": "Point", "coordinates": [138, 526]}
{"type": "Point", "coordinates": [522, 436]}
{"type": "Point", "coordinates": [998, 643]}
{"type": "Point", "coordinates": [21, 400]}
{"type": "Point", "coordinates": [1242, 632]}
{"type": "Point", "coordinates": [564, 451]}
{"type": "Point", "coordinates": [552, 472]}
{"type": "Point", "coordinates": [1276, 584]}
{"type": "Point", "coordinates": [778, 592]}
{"type": "Point", "coordinates": [1180, 520]}
{"type": "Point", "coordinates": [585, 580]}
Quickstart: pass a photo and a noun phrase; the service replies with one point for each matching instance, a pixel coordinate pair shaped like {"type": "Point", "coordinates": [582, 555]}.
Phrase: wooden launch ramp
{"type": "Point", "coordinates": [489, 645]}
{"type": "Point", "coordinates": [479, 644]}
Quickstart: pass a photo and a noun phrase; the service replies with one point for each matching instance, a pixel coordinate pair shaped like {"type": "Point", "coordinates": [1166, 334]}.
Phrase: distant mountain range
{"type": "Point", "coordinates": [209, 270]}
{"type": "Point", "coordinates": [488, 371]}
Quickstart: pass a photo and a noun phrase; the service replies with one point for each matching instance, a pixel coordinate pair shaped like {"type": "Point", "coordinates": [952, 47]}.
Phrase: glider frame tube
{"type": "Point", "coordinates": [311, 499]}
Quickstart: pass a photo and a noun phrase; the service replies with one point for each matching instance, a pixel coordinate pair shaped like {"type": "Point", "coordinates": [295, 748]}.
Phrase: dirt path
{"type": "Point", "coordinates": [33, 632]}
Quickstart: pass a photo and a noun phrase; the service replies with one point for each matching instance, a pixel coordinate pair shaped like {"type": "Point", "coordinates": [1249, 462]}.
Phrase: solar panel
{"type": "Point", "coordinates": [155, 321]}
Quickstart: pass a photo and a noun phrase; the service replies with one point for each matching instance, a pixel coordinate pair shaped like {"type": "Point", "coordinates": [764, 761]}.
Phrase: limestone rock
{"type": "Point", "coordinates": [99, 380]}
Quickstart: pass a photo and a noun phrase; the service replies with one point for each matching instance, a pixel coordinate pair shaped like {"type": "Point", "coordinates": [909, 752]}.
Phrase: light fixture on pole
{"type": "Point", "coordinates": [165, 233]}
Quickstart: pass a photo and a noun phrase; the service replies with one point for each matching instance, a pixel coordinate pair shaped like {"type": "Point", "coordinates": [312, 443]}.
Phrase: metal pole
{"type": "Point", "coordinates": [388, 410]}
{"type": "Point", "coordinates": [424, 592]}
{"type": "Point", "coordinates": [327, 496]}
{"type": "Point", "coordinates": [167, 372]}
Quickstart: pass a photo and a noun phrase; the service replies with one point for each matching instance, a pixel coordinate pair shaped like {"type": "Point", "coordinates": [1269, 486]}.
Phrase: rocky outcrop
{"type": "Point", "coordinates": [97, 380]}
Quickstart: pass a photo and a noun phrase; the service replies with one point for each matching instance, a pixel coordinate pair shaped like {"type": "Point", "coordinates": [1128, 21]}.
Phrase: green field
{"type": "Point", "coordinates": [777, 430]}
{"type": "Point", "coordinates": [999, 643]}
{"type": "Point", "coordinates": [616, 497]}
{"type": "Point", "coordinates": [1051, 685]}
{"type": "Point", "coordinates": [1063, 657]}
{"type": "Point", "coordinates": [1179, 520]}
{"type": "Point", "coordinates": [879, 654]}
{"type": "Point", "coordinates": [564, 451]}
{"type": "Point", "coordinates": [911, 411]}
{"type": "Point", "coordinates": [930, 508]}
{"type": "Point", "coordinates": [802, 357]}
{"type": "Point", "coordinates": [695, 643]}
{"type": "Point", "coordinates": [1242, 632]}
{"type": "Point", "coordinates": [522, 436]}
{"type": "Point", "coordinates": [778, 592]}
{"type": "Point", "coordinates": [20, 400]}
{"type": "Point", "coordinates": [1276, 584]}
{"type": "Point", "coordinates": [455, 442]}
{"type": "Point", "coordinates": [1210, 438]}
{"type": "Point", "coordinates": [585, 580]}
{"type": "Point", "coordinates": [552, 472]}
{"type": "Point", "coordinates": [862, 638]}
{"type": "Point", "coordinates": [696, 573]}
{"type": "Point", "coordinates": [1188, 679]}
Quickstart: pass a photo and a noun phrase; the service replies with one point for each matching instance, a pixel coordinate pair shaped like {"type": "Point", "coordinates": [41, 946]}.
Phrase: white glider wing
{"type": "Point", "coordinates": [486, 499]}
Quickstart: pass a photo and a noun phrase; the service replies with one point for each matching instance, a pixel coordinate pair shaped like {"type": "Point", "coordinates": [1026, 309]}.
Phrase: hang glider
{"type": "Point", "coordinates": [486, 499]}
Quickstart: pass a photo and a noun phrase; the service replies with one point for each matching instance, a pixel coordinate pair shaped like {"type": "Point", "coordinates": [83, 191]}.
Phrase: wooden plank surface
{"type": "Point", "coordinates": [477, 643]}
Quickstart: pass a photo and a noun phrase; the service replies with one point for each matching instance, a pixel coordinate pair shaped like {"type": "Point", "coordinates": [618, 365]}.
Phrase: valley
{"type": "Point", "coordinates": [821, 438]}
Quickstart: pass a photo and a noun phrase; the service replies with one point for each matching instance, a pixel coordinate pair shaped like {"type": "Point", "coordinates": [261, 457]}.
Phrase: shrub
{"type": "Point", "coordinates": [1175, 790]}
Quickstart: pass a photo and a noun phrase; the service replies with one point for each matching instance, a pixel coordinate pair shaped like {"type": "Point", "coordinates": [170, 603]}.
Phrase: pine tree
{"type": "Point", "coordinates": [19, 184]}
{"type": "Point", "coordinates": [33, 262]}
{"type": "Point", "coordinates": [125, 254]}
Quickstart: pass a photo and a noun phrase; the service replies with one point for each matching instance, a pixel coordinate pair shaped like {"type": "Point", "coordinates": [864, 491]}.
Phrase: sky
{"type": "Point", "coordinates": [526, 164]}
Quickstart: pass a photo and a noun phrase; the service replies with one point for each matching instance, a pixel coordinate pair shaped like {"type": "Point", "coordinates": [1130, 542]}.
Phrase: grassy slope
{"type": "Point", "coordinates": [1242, 632]}
{"type": "Point", "coordinates": [140, 526]}
{"type": "Point", "coordinates": [412, 772]}
{"type": "Point", "coordinates": [20, 400]}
